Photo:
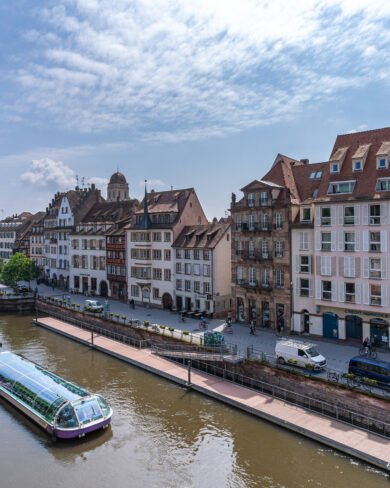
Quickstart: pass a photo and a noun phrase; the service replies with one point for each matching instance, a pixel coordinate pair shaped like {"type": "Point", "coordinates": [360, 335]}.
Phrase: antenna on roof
{"type": "Point", "coordinates": [77, 180]}
{"type": "Point", "coordinates": [83, 182]}
{"type": "Point", "coordinates": [171, 187]}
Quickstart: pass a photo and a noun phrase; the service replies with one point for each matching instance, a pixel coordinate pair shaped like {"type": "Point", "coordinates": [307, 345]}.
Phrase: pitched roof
{"type": "Point", "coordinates": [110, 211]}
{"type": "Point", "coordinates": [201, 236]}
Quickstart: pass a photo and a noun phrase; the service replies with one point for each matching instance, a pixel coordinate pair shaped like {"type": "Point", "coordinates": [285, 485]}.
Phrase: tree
{"type": "Point", "coordinates": [19, 268]}
{"type": "Point", "coordinates": [2, 264]}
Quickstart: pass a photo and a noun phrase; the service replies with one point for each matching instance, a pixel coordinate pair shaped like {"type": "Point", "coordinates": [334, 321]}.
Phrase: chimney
{"type": "Point", "coordinates": [304, 161]}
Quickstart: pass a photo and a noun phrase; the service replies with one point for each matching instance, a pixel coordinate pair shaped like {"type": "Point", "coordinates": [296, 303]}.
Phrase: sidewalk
{"type": "Point", "coordinates": [337, 353]}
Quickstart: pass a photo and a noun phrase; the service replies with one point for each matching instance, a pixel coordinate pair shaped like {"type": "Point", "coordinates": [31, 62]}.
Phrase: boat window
{"type": "Point", "coordinates": [103, 405]}
{"type": "Point", "coordinates": [67, 417]}
{"type": "Point", "coordinates": [88, 411]}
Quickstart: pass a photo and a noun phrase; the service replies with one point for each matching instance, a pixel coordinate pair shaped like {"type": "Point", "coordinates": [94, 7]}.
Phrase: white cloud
{"type": "Point", "coordinates": [49, 173]}
{"type": "Point", "coordinates": [177, 70]}
{"type": "Point", "coordinates": [98, 182]}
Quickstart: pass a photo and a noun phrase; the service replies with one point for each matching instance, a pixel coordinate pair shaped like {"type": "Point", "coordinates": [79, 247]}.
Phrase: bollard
{"type": "Point", "coordinates": [189, 372]}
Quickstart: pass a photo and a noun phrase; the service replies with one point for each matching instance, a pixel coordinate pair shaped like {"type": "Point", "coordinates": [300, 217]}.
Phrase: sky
{"type": "Point", "coordinates": [201, 93]}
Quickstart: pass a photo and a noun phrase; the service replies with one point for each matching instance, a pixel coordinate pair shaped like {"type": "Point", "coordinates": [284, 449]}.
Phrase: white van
{"type": "Point", "coordinates": [93, 306]}
{"type": "Point", "coordinates": [300, 354]}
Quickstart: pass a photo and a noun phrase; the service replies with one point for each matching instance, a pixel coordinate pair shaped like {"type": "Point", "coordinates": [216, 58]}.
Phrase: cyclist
{"type": "Point", "coordinates": [367, 345]}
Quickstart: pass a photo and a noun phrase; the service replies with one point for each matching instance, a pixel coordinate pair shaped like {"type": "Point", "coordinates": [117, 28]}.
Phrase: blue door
{"type": "Point", "coordinates": [330, 325]}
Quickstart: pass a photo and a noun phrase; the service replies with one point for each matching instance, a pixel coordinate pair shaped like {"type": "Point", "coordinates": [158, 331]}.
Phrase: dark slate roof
{"type": "Point", "coordinates": [201, 236]}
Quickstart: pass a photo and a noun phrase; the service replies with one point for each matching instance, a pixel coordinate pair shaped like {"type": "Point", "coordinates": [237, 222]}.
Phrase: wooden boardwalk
{"type": "Point", "coordinates": [363, 445]}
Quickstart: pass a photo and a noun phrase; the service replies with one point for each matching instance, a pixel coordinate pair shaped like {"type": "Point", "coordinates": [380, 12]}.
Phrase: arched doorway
{"type": "Point", "coordinates": [167, 301]}
{"type": "Point", "coordinates": [330, 325]}
{"type": "Point", "coordinates": [103, 289]}
{"type": "Point", "coordinates": [354, 327]}
{"type": "Point", "coordinates": [379, 330]}
{"type": "Point", "coordinates": [61, 282]}
{"type": "Point", "coordinates": [305, 322]}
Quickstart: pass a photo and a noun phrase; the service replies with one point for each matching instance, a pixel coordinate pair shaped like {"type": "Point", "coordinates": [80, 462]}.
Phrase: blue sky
{"type": "Point", "coordinates": [202, 93]}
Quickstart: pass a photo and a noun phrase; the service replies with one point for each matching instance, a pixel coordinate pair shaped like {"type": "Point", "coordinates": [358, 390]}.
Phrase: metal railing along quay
{"type": "Point", "coordinates": [138, 343]}
{"type": "Point", "coordinates": [326, 409]}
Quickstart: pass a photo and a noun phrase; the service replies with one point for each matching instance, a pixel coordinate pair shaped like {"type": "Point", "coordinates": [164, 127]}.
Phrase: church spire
{"type": "Point", "coordinates": [145, 222]}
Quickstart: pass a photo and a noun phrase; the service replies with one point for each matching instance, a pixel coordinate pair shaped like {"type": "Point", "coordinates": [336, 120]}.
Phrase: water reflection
{"type": "Point", "coordinates": [161, 435]}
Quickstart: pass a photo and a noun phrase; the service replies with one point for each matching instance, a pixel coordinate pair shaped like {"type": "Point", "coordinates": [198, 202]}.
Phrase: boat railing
{"type": "Point", "coordinates": [110, 334]}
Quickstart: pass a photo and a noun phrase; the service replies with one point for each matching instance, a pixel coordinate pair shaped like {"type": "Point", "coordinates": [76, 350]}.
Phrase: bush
{"type": "Point", "coordinates": [185, 332]}
{"type": "Point", "coordinates": [310, 367]}
{"type": "Point", "coordinates": [292, 362]}
{"type": "Point", "coordinates": [162, 327]}
{"type": "Point", "coordinates": [348, 376]}
{"type": "Point", "coordinates": [171, 329]}
{"type": "Point", "coordinates": [146, 323]}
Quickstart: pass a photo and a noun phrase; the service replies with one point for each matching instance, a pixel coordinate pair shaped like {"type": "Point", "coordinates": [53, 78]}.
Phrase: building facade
{"type": "Point", "coordinates": [155, 227]}
{"type": "Point", "coordinates": [12, 230]}
{"type": "Point", "coordinates": [202, 269]}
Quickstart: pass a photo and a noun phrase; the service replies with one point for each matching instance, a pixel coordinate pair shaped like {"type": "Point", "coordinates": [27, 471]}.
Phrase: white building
{"type": "Point", "coordinates": [202, 263]}
{"type": "Point", "coordinates": [10, 230]}
{"type": "Point", "coordinates": [149, 244]}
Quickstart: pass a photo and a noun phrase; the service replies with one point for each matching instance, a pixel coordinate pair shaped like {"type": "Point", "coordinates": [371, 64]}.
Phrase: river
{"type": "Point", "coordinates": [161, 435]}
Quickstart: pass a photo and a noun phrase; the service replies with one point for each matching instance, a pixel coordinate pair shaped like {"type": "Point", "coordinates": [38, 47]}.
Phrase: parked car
{"type": "Point", "coordinates": [21, 288]}
{"type": "Point", "coordinates": [299, 354]}
{"type": "Point", "coordinates": [374, 369]}
{"type": "Point", "coordinates": [93, 306]}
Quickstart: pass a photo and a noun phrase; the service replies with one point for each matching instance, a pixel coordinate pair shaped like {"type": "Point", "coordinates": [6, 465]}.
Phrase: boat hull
{"type": "Point", "coordinates": [74, 433]}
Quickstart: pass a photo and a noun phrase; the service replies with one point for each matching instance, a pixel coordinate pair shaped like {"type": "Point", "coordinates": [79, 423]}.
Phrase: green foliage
{"type": "Point", "coordinates": [292, 361]}
{"type": "Point", "coordinates": [19, 268]}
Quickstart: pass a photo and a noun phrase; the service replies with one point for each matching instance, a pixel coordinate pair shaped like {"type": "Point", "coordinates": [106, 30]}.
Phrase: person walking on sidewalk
{"type": "Point", "coordinates": [252, 327]}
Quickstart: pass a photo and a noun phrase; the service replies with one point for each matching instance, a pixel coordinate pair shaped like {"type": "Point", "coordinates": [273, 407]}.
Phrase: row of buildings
{"type": "Point", "coordinates": [305, 247]}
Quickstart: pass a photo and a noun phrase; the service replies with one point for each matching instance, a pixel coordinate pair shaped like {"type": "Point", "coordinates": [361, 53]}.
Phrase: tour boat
{"type": "Point", "coordinates": [63, 409]}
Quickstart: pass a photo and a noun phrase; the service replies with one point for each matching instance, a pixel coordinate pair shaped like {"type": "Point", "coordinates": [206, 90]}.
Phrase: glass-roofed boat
{"type": "Point", "coordinates": [61, 408]}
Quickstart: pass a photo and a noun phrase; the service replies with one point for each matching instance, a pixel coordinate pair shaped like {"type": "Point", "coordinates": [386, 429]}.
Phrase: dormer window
{"type": "Point", "coordinates": [357, 165]}
{"type": "Point", "coordinates": [382, 162]}
{"type": "Point", "coordinates": [251, 200]}
{"type": "Point", "coordinates": [335, 167]}
{"type": "Point", "coordinates": [306, 214]}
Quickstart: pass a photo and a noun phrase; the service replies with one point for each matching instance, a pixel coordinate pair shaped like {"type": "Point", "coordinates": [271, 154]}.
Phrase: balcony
{"type": "Point", "coordinates": [255, 285]}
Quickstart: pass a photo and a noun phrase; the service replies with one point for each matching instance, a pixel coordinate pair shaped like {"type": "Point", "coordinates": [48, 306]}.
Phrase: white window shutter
{"type": "Point", "coordinates": [352, 267]}
{"type": "Point", "coordinates": [341, 292]}
{"type": "Point", "coordinates": [297, 287]}
{"type": "Point", "coordinates": [329, 265]}
{"type": "Point", "coordinates": [383, 213]}
{"type": "Point", "coordinates": [310, 264]}
{"type": "Point", "coordinates": [317, 238]}
{"type": "Point", "coordinates": [340, 214]}
{"type": "Point", "coordinates": [365, 241]}
{"type": "Point", "coordinates": [340, 240]}
{"type": "Point", "coordinates": [357, 240]}
{"type": "Point", "coordinates": [384, 295]}
{"type": "Point", "coordinates": [364, 209]}
{"type": "Point", "coordinates": [383, 240]}
{"type": "Point", "coordinates": [334, 291]}
{"type": "Point", "coordinates": [310, 288]}
{"type": "Point", "coordinates": [384, 268]}
{"type": "Point", "coordinates": [333, 215]}
{"type": "Point", "coordinates": [358, 293]}
{"type": "Point", "coordinates": [357, 214]}
{"type": "Point", "coordinates": [317, 216]}
{"type": "Point", "coordinates": [346, 267]}
{"type": "Point", "coordinates": [322, 260]}
{"type": "Point", "coordinates": [333, 243]}
{"type": "Point", "coordinates": [297, 263]}
{"type": "Point", "coordinates": [366, 267]}
{"type": "Point", "coordinates": [366, 294]}
{"type": "Point", "coordinates": [318, 289]}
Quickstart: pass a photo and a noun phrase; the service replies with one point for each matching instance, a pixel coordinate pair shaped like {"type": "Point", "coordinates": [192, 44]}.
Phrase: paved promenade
{"type": "Point", "coordinates": [368, 447]}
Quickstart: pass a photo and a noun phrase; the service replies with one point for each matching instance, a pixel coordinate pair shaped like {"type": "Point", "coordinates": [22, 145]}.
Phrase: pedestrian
{"type": "Point", "coordinates": [252, 327]}
{"type": "Point", "coordinates": [132, 303]}
{"type": "Point", "coordinates": [367, 345]}
{"type": "Point", "coordinates": [229, 318]}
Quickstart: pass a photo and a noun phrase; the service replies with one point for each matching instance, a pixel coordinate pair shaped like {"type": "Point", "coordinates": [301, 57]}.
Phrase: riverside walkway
{"type": "Point", "coordinates": [360, 444]}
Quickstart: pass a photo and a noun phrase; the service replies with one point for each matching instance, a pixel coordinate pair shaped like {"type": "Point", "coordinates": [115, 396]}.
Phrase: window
{"type": "Point", "coordinates": [179, 284]}
{"type": "Point", "coordinates": [349, 215]}
{"type": "Point", "coordinates": [264, 198]}
{"type": "Point", "coordinates": [264, 222]}
{"type": "Point", "coordinates": [206, 288]}
{"type": "Point", "coordinates": [178, 254]}
{"type": "Point", "coordinates": [196, 254]}
{"type": "Point", "coordinates": [315, 175]}
{"type": "Point", "coordinates": [167, 274]}
{"type": "Point", "coordinates": [279, 221]}
{"type": "Point", "coordinates": [382, 162]}
{"type": "Point", "coordinates": [375, 268]}
{"type": "Point", "coordinates": [279, 249]}
{"type": "Point", "coordinates": [167, 254]}
{"type": "Point", "coordinates": [206, 255]}
{"type": "Point", "coordinates": [157, 254]}
{"type": "Point", "coordinates": [303, 241]}
{"type": "Point", "coordinates": [157, 273]}
{"type": "Point", "coordinates": [350, 292]}
{"type": "Point", "coordinates": [265, 277]}
{"type": "Point", "coordinates": [326, 241]}
{"type": "Point", "coordinates": [187, 268]}
{"type": "Point", "coordinates": [187, 254]}
{"type": "Point", "coordinates": [375, 295]}
{"type": "Point", "coordinates": [326, 290]}
{"type": "Point", "coordinates": [349, 241]}
{"type": "Point", "coordinates": [167, 237]}
{"type": "Point", "coordinates": [156, 236]}
{"type": "Point", "coordinates": [335, 167]}
{"type": "Point", "coordinates": [197, 286]}
{"type": "Point", "coordinates": [375, 241]}
{"type": "Point", "coordinates": [341, 187]}
{"type": "Point", "coordinates": [264, 250]}
{"type": "Point", "coordinates": [382, 184]}
{"type": "Point", "coordinates": [252, 276]}
{"type": "Point", "coordinates": [357, 165]}
{"type": "Point", "coordinates": [206, 270]}
{"type": "Point", "coordinates": [187, 285]}
{"type": "Point", "coordinates": [325, 216]}
{"type": "Point", "coordinates": [304, 287]}
{"type": "Point", "coordinates": [304, 264]}
{"type": "Point", "coordinates": [178, 268]}
{"type": "Point", "coordinates": [134, 291]}
{"type": "Point", "coordinates": [306, 215]}
{"type": "Point", "coordinates": [251, 200]}
{"type": "Point", "coordinates": [375, 214]}
{"type": "Point", "coordinates": [197, 269]}
{"type": "Point", "coordinates": [279, 278]}
{"type": "Point", "coordinates": [156, 293]}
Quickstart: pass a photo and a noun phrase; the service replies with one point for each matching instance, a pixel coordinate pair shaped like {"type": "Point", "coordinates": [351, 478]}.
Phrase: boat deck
{"type": "Point", "coordinates": [363, 445]}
